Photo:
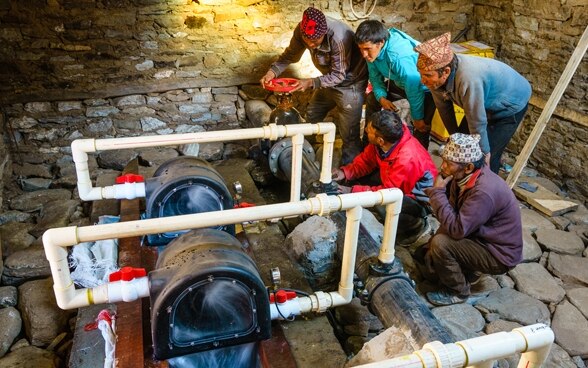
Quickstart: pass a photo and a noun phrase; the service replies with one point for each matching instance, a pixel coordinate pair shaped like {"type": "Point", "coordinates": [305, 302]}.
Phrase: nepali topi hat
{"type": "Point", "coordinates": [435, 53]}
{"type": "Point", "coordinates": [463, 148]}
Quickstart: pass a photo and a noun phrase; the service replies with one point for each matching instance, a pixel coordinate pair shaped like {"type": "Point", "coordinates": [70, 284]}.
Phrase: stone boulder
{"type": "Point", "coordinates": [25, 265]}
{"type": "Point", "coordinates": [531, 250]}
{"type": "Point", "coordinates": [391, 343]}
{"type": "Point", "coordinates": [11, 324]}
{"type": "Point", "coordinates": [461, 320]}
{"type": "Point", "coordinates": [8, 296]}
{"type": "Point", "coordinates": [571, 329]}
{"type": "Point", "coordinates": [34, 201]}
{"type": "Point", "coordinates": [562, 242]}
{"type": "Point", "coordinates": [116, 159]}
{"type": "Point", "coordinates": [313, 244]}
{"type": "Point", "coordinates": [55, 214]}
{"type": "Point", "coordinates": [579, 298]}
{"type": "Point", "coordinates": [30, 356]}
{"type": "Point", "coordinates": [43, 319]}
{"type": "Point", "coordinates": [15, 237]}
{"type": "Point", "coordinates": [534, 280]}
{"type": "Point", "coordinates": [533, 221]}
{"type": "Point", "coordinates": [515, 306]}
{"type": "Point", "coordinates": [570, 269]}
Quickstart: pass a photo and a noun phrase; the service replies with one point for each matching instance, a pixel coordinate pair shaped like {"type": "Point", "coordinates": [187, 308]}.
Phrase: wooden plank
{"type": "Point", "coordinates": [129, 322]}
{"type": "Point", "coordinates": [558, 91]}
{"type": "Point", "coordinates": [545, 201]}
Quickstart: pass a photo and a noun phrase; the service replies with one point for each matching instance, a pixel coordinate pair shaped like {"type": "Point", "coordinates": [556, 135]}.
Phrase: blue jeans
{"type": "Point", "coordinates": [500, 131]}
{"type": "Point", "coordinates": [348, 103]}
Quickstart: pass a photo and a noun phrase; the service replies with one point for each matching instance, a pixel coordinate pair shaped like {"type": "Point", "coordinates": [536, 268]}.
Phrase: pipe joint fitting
{"type": "Point", "coordinates": [440, 352]}
{"type": "Point", "coordinates": [323, 301]}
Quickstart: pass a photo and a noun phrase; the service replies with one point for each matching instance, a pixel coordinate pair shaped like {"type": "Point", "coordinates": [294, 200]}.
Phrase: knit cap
{"type": "Point", "coordinates": [463, 148]}
{"type": "Point", "coordinates": [314, 24]}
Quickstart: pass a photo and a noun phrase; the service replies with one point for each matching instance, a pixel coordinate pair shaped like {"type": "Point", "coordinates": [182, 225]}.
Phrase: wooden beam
{"type": "Point", "coordinates": [562, 112]}
{"type": "Point", "coordinates": [558, 91]}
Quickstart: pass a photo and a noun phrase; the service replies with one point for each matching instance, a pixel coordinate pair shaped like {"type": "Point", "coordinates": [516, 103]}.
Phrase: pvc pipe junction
{"type": "Point", "coordinates": [57, 240]}
{"type": "Point", "coordinates": [81, 147]}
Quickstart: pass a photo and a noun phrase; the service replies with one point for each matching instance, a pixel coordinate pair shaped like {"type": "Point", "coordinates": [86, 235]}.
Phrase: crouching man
{"type": "Point", "coordinates": [402, 163]}
{"type": "Point", "coordinates": [480, 222]}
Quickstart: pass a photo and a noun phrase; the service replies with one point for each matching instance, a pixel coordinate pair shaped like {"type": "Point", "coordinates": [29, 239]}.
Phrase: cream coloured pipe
{"type": "Point", "coordinates": [55, 240]}
{"type": "Point", "coordinates": [534, 342]}
{"type": "Point", "coordinates": [327, 161]}
{"type": "Point", "coordinates": [81, 147]}
{"type": "Point", "coordinates": [296, 179]}
{"type": "Point", "coordinates": [386, 255]}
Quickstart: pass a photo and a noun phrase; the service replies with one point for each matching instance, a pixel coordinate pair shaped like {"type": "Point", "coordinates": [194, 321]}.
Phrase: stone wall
{"type": "Point", "coordinates": [66, 49]}
{"type": "Point", "coordinates": [99, 68]}
{"type": "Point", "coordinates": [537, 38]}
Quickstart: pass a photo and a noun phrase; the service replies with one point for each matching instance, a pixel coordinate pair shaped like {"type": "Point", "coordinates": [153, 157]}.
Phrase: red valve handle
{"type": "Point", "coordinates": [281, 84]}
{"type": "Point", "coordinates": [281, 296]}
{"type": "Point", "coordinates": [127, 274]}
{"type": "Point", "coordinates": [129, 178]}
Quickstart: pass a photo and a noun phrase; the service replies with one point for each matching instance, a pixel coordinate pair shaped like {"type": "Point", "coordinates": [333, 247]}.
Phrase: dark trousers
{"type": "Point", "coordinates": [500, 131]}
{"type": "Point", "coordinates": [348, 103]}
{"type": "Point", "coordinates": [396, 93]}
{"type": "Point", "coordinates": [451, 261]}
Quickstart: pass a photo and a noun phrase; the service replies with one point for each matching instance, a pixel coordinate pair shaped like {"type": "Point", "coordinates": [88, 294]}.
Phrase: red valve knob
{"type": "Point", "coordinates": [129, 178]}
{"type": "Point", "coordinates": [281, 296]}
{"type": "Point", "coordinates": [127, 274]}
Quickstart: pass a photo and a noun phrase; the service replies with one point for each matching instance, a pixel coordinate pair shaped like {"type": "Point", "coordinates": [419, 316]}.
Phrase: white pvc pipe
{"type": "Point", "coordinates": [55, 240]}
{"type": "Point", "coordinates": [349, 253]}
{"type": "Point", "coordinates": [534, 342]}
{"type": "Point", "coordinates": [386, 254]}
{"type": "Point", "coordinates": [296, 177]}
{"type": "Point", "coordinates": [81, 147]}
{"type": "Point", "coordinates": [327, 162]}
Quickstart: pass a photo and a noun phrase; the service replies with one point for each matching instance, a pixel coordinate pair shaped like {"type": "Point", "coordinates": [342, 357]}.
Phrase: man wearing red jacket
{"type": "Point", "coordinates": [403, 164]}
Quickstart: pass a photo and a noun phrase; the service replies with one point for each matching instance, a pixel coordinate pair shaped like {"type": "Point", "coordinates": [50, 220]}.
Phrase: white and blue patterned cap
{"type": "Point", "coordinates": [463, 148]}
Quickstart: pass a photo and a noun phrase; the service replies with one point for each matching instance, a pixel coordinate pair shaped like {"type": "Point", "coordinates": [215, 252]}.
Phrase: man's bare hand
{"type": "Point", "coordinates": [337, 174]}
{"type": "Point", "coordinates": [420, 126]}
{"type": "Point", "coordinates": [342, 189]}
{"type": "Point", "coordinates": [267, 78]}
{"type": "Point", "coordinates": [441, 182]}
{"type": "Point", "coordinates": [387, 104]}
{"type": "Point", "coordinates": [302, 85]}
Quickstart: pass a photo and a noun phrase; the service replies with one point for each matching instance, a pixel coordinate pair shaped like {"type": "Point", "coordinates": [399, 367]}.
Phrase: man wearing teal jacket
{"type": "Point", "coordinates": [393, 73]}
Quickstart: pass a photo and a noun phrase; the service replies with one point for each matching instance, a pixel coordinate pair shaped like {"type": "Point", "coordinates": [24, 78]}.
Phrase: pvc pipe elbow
{"type": "Point", "coordinates": [80, 147]}
{"type": "Point", "coordinates": [55, 239]}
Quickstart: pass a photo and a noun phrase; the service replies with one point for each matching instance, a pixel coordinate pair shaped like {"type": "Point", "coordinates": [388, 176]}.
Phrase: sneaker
{"type": "Point", "coordinates": [443, 297]}
{"type": "Point", "coordinates": [411, 239]}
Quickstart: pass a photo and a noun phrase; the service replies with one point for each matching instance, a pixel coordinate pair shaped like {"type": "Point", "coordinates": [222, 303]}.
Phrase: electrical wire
{"type": "Point", "coordinates": [366, 13]}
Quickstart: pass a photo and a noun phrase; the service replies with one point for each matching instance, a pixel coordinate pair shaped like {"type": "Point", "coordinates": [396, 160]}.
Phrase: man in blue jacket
{"type": "Point", "coordinates": [493, 95]}
{"type": "Point", "coordinates": [341, 87]}
{"type": "Point", "coordinates": [391, 62]}
{"type": "Point", "coordinates": [480, 222]}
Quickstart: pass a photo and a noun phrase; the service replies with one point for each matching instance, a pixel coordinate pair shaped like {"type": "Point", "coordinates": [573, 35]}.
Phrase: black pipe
{"type": "Point", "coordinates": [391, 296]}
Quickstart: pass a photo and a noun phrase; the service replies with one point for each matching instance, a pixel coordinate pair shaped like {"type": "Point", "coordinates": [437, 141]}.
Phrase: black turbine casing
{"type": "Point", "coordinates": [206, 293]}
{"type": "Point", "coordinates": [181, 186]}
